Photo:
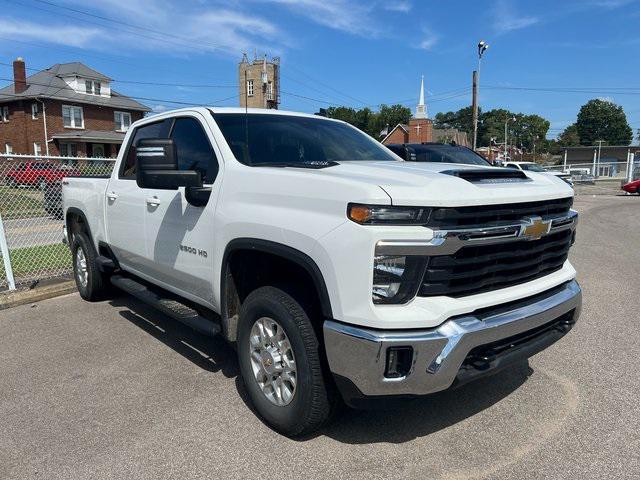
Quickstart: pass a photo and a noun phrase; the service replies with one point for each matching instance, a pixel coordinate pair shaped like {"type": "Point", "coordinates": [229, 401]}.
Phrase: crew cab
{"type": "Point", "coordinates": [337, 270]}
{"type": "Point", "coordinates": [37, 174]}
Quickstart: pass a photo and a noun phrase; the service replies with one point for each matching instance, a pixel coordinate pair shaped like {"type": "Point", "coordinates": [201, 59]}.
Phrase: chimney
{"type": "Point", "coordinates": [19, 75]}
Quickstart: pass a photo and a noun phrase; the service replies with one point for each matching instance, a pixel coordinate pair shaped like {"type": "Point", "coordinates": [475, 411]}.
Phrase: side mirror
{"type": "Point", "coordinates": [157, 166]}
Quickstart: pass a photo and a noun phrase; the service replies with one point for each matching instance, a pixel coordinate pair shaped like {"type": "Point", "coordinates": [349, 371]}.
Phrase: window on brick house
{"type": "Point", "coordinates": [122, 121]}
{"type": "Point", "coordinates": [72, 117]}
{"type": "Point", "coordinates": [68, 150]}
{"type": "Point", "coordinates": [250, 88]}
{"type": "Point", "coordinates": [34, 111]}
{"type": "Point", "coordinates": [92, 87]}
{"type": "Point", "coordinates": [4, 113]}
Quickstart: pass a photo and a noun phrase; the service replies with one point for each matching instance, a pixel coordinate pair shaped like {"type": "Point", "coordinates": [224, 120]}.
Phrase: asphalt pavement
{"type": "Point", "coordinates": [114, 390]}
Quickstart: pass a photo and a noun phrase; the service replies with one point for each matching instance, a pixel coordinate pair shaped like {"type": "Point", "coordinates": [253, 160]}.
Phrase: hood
{"type": "Point", "coordinates": [415, 183]}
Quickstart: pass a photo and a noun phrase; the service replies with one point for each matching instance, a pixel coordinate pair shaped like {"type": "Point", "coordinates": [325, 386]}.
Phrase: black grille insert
{"type": "Point", "coordinates": [480, 268]}
{"type": "Point", "coordinates": [458, 217]}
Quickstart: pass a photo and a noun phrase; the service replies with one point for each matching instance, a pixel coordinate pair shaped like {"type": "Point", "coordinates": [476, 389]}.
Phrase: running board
{"type": "Point", "coordinates": [167, 304]}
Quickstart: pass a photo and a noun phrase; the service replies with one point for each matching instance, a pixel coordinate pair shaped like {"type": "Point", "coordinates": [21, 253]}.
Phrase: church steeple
{"type": "Point", "coordinates": [421, 109]}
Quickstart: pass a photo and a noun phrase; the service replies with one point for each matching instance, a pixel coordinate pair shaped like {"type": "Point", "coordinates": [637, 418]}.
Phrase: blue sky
{"type": "Point", "coordinates": [344, 52]}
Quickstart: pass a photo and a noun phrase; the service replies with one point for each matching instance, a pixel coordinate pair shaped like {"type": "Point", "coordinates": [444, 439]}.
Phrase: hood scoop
{"type": "Point", "coordinates": [489, 175]}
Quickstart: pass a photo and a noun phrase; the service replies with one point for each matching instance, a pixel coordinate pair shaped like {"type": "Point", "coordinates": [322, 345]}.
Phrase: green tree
{"type": "Point", "coordinates": [346, 114]}
{"type": "Point", "coordinates": [603, 120]}
{"type": "Point", "coordinates": [462, 120]}
{"type": "Point", "coordinates": [369, 121]}
{"type": "Point", "coordinates": [569, 136]}
{"type": "Point", "coordinates": [524, 130]}
{"type": "Point", "coordinates": [391, 115]}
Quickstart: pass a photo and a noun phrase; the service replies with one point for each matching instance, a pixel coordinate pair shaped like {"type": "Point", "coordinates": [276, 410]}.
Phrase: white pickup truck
{"type": "Point", "coordinates": [336, 269]}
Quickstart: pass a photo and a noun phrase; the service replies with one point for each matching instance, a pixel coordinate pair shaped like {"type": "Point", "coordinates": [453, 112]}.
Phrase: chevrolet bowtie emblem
{"type": "Point", "coordinates": [535, 228]}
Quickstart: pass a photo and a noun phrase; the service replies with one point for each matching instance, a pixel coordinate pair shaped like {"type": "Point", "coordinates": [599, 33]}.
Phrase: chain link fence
{"type": "Point", "coordinates": [31, 215]}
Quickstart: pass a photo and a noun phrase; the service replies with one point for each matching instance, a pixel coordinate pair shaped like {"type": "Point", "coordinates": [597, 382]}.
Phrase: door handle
{"type": "Point", "coordinates": [153, 201]}
{"type": "Point", "coordinates": [112, 195]}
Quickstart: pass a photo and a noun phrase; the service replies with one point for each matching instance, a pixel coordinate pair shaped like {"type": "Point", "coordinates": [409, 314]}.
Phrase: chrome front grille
{"type": "Point", "coordinates": [480, 268]}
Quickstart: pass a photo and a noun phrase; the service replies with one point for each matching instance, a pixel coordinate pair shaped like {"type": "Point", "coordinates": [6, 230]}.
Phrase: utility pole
{"type": "Point", "coordinates": [474, 106]}
{"type": "Point", "coordinates": [506, 143]}
{"type": "Point", "coordinates": [482, 47]}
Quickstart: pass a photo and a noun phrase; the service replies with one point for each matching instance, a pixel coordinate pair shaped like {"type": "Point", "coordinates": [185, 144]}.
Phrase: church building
{"type": "Point", "coordinates": [419, 129]}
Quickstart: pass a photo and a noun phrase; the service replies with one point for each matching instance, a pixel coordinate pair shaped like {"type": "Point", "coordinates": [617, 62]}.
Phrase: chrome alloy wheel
{"type": "Point", "coordinates": [82, 274]}
{"type": "Point", "coordinates": [272, 361]}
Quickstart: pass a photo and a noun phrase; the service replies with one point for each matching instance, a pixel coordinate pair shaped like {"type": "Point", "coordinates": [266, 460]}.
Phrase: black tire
{"type": "Point", "coordinates": [313, 400]}
{"type": "Point", "coordinates": [96, 285]}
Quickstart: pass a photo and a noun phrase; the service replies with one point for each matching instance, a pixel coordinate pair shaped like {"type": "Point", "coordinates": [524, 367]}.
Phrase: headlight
{"type": "Point", "coordinates": [396, 279]}
{"type": "Point", "coordinates": [387, 214]}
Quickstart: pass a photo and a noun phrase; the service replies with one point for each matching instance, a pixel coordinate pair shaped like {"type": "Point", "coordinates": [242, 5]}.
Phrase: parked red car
{"type": "Point", "coordinates": [38, 174]}
{"type": "Point", "coordinates": [632, 187]}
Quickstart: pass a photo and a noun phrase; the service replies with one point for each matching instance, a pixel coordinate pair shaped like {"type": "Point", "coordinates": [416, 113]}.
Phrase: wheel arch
{"type": "Point", "coordinates": [229, 298]}
{"type": "Point", "coordinates": [75, 220]}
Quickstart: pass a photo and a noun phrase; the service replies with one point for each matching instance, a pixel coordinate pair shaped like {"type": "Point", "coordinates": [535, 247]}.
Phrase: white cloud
{"type": "Point", "coordinates": [403, 6]}
{"type": "Point", "coordinates": [344, 15]}
{"type": "Point", "coordinates": [506, 19]}
{"type": "Point", "coordinates": [190, 25]}
{"type": "Point", "coordinates": [51, 33]}
{"type": "Point", "coordinates": [159, 108]}
{"type": "Point", "coordinates": [428, 39]}
{"type": "Point", "coordinates": [428, 42]}
{"type": "Point", "coordinates": [611, 3]}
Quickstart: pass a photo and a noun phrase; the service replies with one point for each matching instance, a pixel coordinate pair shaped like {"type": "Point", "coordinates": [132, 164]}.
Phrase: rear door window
{"type": "Point", "coordinates": [193, 148]}
{"type": "Point", "coordinates": [151, 130]}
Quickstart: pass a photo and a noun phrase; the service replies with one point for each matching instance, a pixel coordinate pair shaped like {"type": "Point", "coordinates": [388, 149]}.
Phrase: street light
{"type": "Point", "coordinates": [506, 144]}
{"type": "Point", "coordinates": [482, 47]}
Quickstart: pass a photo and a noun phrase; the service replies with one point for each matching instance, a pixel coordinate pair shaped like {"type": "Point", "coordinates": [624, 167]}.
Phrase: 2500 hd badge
{"type": "Point", "coordinates": [195, 251]}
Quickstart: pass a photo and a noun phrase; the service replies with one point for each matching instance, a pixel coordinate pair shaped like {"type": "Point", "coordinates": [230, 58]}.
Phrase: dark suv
{"type": "Point", "coordinates": [437, 152]}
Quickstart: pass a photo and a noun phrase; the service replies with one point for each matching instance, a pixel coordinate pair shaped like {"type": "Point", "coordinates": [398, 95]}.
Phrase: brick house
{"type": "Point", "coordinates": [68, 109]}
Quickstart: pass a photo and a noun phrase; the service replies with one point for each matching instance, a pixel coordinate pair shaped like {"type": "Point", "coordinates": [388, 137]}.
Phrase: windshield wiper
{"type": "Point", "coordinates": [313, 164]}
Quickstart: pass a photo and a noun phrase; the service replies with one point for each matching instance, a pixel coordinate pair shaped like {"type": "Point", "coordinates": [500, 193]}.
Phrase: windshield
{"type": "Point", "coordinates": [257, 139]}
{"type": "Point", "coordinates": [532, 167]}
{"type": "Point", "coordinates": [445, 154]}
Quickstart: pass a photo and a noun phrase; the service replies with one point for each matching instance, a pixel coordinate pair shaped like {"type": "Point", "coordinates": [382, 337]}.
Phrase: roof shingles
{"type": "Point", "coordinates": [50, 83]}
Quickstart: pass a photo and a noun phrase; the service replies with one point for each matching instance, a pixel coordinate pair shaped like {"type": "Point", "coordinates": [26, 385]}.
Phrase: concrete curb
{"type": "Point", "coordinates": [22, 297]}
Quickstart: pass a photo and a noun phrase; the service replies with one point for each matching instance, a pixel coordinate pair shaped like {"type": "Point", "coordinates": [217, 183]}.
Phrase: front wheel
{"type": "Point", "coordinates": [91, 282]}
{"type": "Point", "coordinates": [280, 362]}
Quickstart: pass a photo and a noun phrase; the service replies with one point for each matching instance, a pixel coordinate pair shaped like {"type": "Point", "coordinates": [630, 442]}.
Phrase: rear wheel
{"type": "Point", "coordinates": [91, 282]}
{"type": "Point", "coordinates": [280, 361]}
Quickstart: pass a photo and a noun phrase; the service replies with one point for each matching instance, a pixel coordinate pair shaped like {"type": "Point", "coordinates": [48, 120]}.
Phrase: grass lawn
{"type": "Point", "coordinates": [44, 258]}
{"type": "Point", "coordinates": [20, 203]}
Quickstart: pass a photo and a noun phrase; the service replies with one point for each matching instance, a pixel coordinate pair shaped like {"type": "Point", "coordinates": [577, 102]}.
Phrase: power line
{"type": "Point", "coordinates": [603, 91]}
{"type": "Point", "coordinates": [131, 25]}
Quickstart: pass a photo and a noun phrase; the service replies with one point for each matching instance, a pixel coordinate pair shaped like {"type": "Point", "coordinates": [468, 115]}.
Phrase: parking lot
{"type": "Point", "coordinates": [115, 390]}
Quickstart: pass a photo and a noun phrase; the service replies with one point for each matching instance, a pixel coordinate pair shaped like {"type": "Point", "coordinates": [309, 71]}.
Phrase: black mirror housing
{"type": "Point", "coordinates": [157, 166]}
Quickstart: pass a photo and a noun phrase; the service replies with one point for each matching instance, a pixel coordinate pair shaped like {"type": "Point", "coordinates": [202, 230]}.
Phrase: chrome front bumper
{"type": "Point", "coordinates": [360, 354]}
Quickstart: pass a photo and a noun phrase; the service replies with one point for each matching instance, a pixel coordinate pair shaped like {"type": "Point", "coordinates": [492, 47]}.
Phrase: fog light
{"type": "Point", "coordinates": [399, 360]}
